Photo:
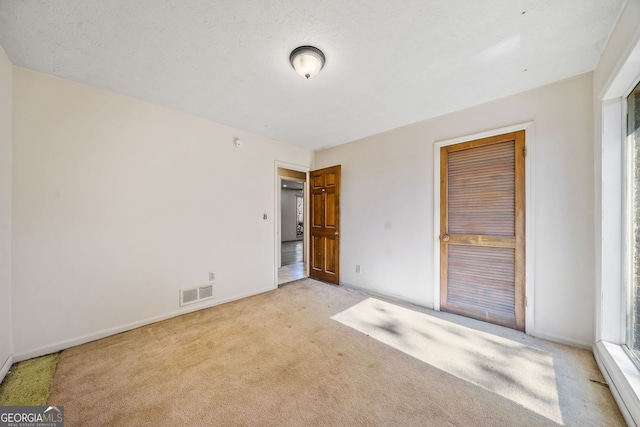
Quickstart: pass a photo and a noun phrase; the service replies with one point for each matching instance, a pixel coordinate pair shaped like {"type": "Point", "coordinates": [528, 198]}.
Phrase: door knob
{"type": "Point", "coordinates": [445, 238]}
{"type": "Point", "coordinates": [337, 233]}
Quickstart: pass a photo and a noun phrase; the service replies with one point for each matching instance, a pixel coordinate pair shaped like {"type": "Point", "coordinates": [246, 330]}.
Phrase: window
{"type": "Point", "coordinates": [299, 216]}
{"type": "Point", "coordinates": [633, 215]}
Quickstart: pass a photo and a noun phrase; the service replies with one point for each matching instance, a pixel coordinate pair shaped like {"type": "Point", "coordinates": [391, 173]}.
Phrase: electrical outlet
{"type": "Point", "coordinates": [357, 268]}
{"type": "Point", "coordinates": [212, 276]}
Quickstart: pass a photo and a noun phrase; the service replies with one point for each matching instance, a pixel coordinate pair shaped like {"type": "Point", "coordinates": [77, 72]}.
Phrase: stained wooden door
{"type": "Point", "coordinates": [482, 229]}
{"type": "Point", "coordinates": [325, 225]}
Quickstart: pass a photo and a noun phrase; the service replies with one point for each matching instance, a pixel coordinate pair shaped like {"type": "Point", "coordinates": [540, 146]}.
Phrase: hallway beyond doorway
{"type": "Point", "coordinates": [291, 273]}
{"type": "Point", "coordinates": [292, 262]}
{"type": "Point", "coordinates": [292, 252]}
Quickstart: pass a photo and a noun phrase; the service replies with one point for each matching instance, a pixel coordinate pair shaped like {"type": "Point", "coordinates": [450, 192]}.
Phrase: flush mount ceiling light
{"type": "Point", "coordinates": [307, 61]}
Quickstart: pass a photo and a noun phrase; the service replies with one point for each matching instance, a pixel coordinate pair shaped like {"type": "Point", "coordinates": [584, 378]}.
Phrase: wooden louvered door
{"type": "Point", "coordinates": [482, 229]}
{"type": "Point", "coordinates": [325, 225]}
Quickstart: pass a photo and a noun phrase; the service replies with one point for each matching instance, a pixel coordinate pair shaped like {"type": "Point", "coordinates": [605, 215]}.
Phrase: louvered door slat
{"type": "Point", "coordinates": [481, 189]}
{"type": "Point", "coordinates": [482, 203]}
{"type": "Point", "coordinates": [480, 280]}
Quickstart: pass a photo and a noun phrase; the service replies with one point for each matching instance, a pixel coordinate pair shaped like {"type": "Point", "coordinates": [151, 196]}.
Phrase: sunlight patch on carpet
{"type": "Point", "coordinates": [520, 373]}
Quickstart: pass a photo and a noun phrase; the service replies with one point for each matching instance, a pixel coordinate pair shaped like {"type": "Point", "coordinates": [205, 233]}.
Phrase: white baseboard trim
{"type": "Point", "coordinates": [72, 342]}
{"type": "Point", "coordinates": [397, 298]}
{"type": "Point", "coordinates": [5, 367]}
{"type": "Point", "coordinates": [562, 340]}
{"type": "Point", "coordinates": [623, 378]}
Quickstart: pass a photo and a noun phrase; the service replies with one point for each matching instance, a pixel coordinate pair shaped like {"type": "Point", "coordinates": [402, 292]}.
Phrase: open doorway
{"type": "Point", "coordinates": [292, 260]}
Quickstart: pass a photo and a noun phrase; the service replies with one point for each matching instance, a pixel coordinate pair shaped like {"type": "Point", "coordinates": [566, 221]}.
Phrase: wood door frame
{"type": "Point", "coordinates": [277, 213]}
{"type": "Point", "coordinates": [529, 129]}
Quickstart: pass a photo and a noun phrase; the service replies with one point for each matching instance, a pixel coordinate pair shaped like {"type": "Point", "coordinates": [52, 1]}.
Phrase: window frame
{"type": "Point", "coordinates": [614, 361]}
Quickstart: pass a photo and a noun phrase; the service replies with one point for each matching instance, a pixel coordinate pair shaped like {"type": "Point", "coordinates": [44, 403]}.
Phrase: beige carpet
{"type": "Point", "coordinates": [313, 354]}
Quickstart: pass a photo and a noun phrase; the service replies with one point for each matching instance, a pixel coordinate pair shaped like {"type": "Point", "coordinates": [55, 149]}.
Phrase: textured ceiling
{"type": "Point", "coordinates": [388, 63]}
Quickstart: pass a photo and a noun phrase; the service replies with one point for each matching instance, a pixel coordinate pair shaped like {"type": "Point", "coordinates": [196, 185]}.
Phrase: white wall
{"type": "Point", "coordinates": [387, 204]}
{"type": "Point", "coordinates": [118, 204]}
{"type": "Point", "coordinates": [5, 211]}
{"type": "Point", "coordinates": [289, 215]}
